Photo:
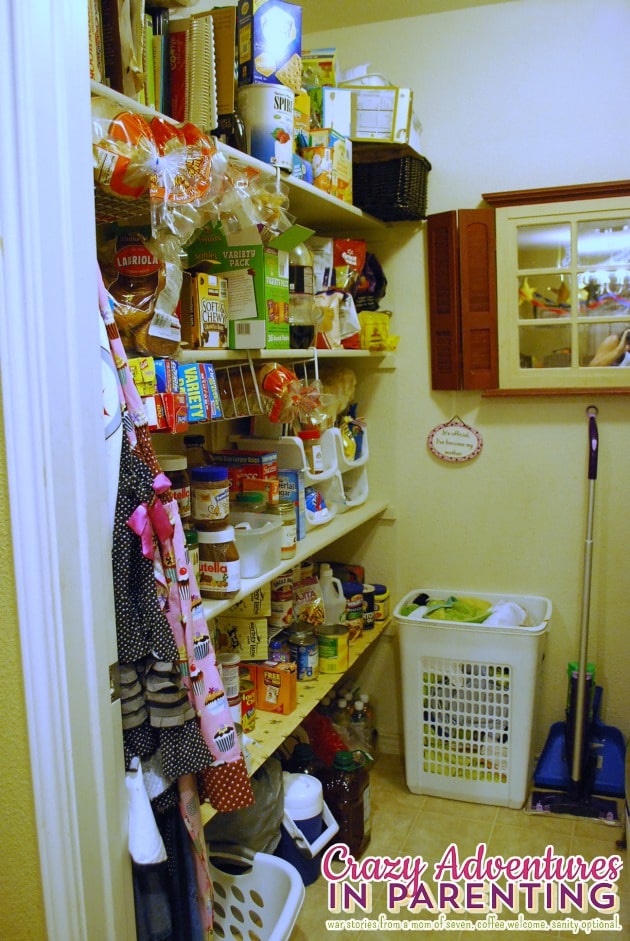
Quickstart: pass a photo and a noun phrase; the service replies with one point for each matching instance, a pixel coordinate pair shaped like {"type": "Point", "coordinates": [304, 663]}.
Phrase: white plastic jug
{"type": "Point", "coordinates": [332, 593]}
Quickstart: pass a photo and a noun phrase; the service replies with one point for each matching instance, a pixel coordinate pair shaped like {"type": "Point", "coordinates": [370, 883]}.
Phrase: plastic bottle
{"type": "Point", "coordinates": [359, 726]}
{"type": "Point", "coordinates": [303, 760]}
{"type": "Point", "coordinates": [196, 453]}
{"type": "Point", "coordinates": [301, 291]}
{"type": "Point", "coordinates": [371, 720]}
{"type": "Point", "coordinates": [332, 594]}
{"type": "Point", "coordinates": [339, 715]}
{"type": "Point", "coordinates": [347, 793]}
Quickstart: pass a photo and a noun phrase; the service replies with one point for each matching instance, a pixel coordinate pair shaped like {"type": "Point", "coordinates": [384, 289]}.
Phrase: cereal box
{"type": "Point", "coordinates": [269, 43]}
{"type": "Point", "coordinates": [330, 156]}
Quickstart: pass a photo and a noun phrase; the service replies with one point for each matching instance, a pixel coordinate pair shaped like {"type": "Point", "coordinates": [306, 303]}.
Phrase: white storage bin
{"type": "Point", "coordinates": [468, 700]}
{"type": "Point", "coordinates": [259, 542]}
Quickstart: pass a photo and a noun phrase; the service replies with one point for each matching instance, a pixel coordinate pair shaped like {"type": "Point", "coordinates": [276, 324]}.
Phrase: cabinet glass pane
{"type": "Point", "coordinates": [544, 295]}
{"type": "Point", "coordinates": [603, 242]}
{"type": "Point", "coordinates": [604, 292]}
{"type": "Point", "coordinates": [603, 344]}
{"type": "Point", "coordinates": [545, 347]}
{"type": "Point", "coordinates": [543, 246]}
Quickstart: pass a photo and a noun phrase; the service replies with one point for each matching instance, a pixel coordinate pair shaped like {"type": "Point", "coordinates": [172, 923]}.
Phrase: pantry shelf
{"type": "Point", "coordinates": [377, 359]}
{"type": "Point", "coordinates": [271, 730]}
{"type": "Point", "coordinates": [314, 541]}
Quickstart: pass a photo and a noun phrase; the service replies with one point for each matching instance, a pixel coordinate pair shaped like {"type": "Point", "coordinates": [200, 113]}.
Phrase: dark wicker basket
{"type": "Point", "coordinates": [392, 190]}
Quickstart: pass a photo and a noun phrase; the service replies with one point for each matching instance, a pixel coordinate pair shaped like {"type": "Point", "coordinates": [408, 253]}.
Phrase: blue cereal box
{"type": "Point", "coordinates": [292, 491]}
{"type": "Point", "coordinates": [190, 384]}
{"type": "Point", "coordinates": [269, 43]}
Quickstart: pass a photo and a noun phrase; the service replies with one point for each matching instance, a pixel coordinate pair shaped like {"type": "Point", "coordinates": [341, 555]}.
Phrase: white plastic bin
{"type": "Point", "coordinates": [468, 700]}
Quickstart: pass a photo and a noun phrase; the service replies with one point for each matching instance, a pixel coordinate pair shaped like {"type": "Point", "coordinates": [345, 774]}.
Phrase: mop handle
{"type": "Point", "coordinates": [594, 442]}
{"type": "Point", "coordinates": [581, 706]}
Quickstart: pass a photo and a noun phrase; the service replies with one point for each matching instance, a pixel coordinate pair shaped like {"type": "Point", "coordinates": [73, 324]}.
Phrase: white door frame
{"type": "Point", "coordinates": [52, 407]}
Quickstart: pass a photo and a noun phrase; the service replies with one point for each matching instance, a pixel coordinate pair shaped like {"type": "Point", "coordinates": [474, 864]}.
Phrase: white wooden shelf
{"type": "Point", "coordinates": [315, 540]}
{"type": "Point", "coordinates": [271, 729]}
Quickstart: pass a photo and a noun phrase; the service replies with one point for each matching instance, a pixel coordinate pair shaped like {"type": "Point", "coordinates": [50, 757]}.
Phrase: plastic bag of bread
{"type": "Point", "coordinates": [124, 151]}
{"type": "Point", "coordinates": [144, 279]}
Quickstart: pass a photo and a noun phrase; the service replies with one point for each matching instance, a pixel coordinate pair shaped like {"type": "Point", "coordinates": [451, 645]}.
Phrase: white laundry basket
{"type": "Point", "coordinates": [468, 700]}
{"type": "Point", "coordinates": [257, 897]}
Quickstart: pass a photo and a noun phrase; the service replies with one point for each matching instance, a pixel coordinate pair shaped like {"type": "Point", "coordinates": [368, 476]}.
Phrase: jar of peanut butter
{"type": "Point", "coordinates": [210, 497]}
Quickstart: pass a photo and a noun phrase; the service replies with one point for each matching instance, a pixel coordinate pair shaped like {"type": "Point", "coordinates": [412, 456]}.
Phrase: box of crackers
{"type": "Point", "coordinates": [269, 43]}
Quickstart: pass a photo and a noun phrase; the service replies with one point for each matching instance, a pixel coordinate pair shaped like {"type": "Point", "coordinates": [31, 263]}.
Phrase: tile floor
{"type": "Point", "coordinates": [414, 825]}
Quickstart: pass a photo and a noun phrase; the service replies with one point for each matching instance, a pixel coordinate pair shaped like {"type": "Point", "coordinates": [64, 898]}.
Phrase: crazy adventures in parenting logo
{"type": "Point", "coordinates": [490, 891]}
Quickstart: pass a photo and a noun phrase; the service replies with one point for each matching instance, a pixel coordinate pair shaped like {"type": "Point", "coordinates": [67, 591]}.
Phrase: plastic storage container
{"type": "Point", "coordinates": [468, 700]}
{"type": "Point", "coordinates": [308, 826]}
{"type": "Point", "coordinates": [258, 540]}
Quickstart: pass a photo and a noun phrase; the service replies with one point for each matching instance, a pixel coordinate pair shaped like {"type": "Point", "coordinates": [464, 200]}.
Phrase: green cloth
{"type": "Point", "coordinates": [470, 610]}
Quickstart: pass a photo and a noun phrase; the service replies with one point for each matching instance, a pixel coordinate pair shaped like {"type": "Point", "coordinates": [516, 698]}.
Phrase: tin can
{"type": "Point", "coordinates": [281, 601]}
{"type": "Point", "coordinates": [234, 702]}
{"type": "Point", "coordinates": [305, 653]}
{"type": "Point", "coordinates": [368, 607]}
{"type": "Point", "coordinates": [381, 602]}
{"type": "Point", "coordinates": [332, 643]}
{"type": "Point", "coordinates": [230, 663]}
{"type": "Point", "coordinates": [248, 706]}
{"type": "Point", "coordinates": [353, 593]}
{"type": "Point", "coordinates": [267, 112]}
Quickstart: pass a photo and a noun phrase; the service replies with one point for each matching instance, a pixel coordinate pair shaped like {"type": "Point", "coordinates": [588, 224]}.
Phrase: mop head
{"type": "Point", "coordinates": [602, 809]}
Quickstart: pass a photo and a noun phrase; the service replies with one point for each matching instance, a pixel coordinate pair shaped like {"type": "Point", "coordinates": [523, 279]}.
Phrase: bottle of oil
{"type": "Point", "coordinates": [347, 793]}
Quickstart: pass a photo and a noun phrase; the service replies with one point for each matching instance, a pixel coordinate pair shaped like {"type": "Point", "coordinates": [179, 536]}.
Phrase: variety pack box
{"type": "Point", "coordinates": [269, 43]}
{"type": "Point", "coordinates": [199, 384]}
{"type": "Point", "coordinates": [258, 281]}
{"type": "Point", "coordinates": [246, 636]}
{"type": "Point", "coordinates": [255, 605]}
{"type": "Point", "coordinates": [276, 687]}
{"type": "Point", "coordinates": [330, 155]}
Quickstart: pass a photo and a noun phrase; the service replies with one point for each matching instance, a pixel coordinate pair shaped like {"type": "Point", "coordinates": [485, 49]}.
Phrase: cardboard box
{"type": "Point", "coordinates": [205, 315]}
{"type": "Point", "coordinates": [190, 384]}
{"type": "Point", "coordinates": [210, 391]}
{"type": "Point", "coordinates": [255, 605]}
{"type": "Point", "coordinates": [330, 156]}
{"type": "Point", "coordinates": [167, 411]}
{"type": "Point", "coordinates": [276, 687]}
{"type": "Point", "coordinates": [269, 43]}
{"type": "Point", "coordinates": [166, 375]}
{"type": "Point", "coordinates": [143, 374]}
{"type": "Point", "coordinates": [292, 490]}
{"type": "Point", "coordinates": [384, 113]}
{"type": "Point", "coordinates": [261, 463]}
{"type": "Point", "coordinates": [258, 281]}
{"type": "Point", "coordinates": [224, 23]}
{"type": "Point", "coordinates": [319, 67]}
{"type": "Point", "coordinates": [244, 636]}
{"type": "Point", "coordinates": [269, 486]}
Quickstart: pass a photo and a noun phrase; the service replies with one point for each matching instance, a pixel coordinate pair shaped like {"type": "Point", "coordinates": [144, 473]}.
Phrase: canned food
{"type": "Point", "coordinates": [333, 645]}
{"type": "Point", "coordinates": [248, 706]}
{"type": "Point", "coordinates": [267, 112]}
{"type": "Point", "coordinates": [230, 663]}
{"type": "Point", "coordinates": [305, 653]}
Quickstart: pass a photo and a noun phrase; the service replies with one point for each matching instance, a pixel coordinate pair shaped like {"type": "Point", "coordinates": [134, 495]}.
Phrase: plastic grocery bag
{"type": "Point", "coordinates": [258, 826]}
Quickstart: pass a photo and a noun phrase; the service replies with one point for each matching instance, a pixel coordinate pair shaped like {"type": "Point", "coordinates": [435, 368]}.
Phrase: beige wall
{"type": "Point", "coordinates": [514, 95]}
{"type": "Point", "coordinates": [21, 902]}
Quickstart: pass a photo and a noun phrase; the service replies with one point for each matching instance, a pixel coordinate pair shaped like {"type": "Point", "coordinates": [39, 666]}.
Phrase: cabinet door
{"type": "Point", "coordinates": [478, 298]}
{"type": "Point", "coordinates": [463, 299]}
{"type": "Point", "coordinates": [444, 305]}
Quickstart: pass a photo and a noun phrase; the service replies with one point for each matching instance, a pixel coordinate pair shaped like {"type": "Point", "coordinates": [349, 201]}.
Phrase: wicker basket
{"type": "Point", "coordinates": [394, 190]}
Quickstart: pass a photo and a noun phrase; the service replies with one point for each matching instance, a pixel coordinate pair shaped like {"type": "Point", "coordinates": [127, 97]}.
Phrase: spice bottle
{"type": "Point", "coordinates": [311, 439]}
{"type": "Point", "coordinates": [210, 497]}
{"type": "Point", "coordinates": [219, 564]}
{"type": "Point", "coordinates": [192, 548]}
{"type": "Point", "coordinates": [196, 453]}
{"type": "Point", "coordinates": [288, 544]}
{"type": "Point", "coordinates": [175, 468]}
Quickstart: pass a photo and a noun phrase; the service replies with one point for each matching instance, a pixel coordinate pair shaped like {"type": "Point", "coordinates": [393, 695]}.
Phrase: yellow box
{"type": "Point", "coordinates": [276, 687]}
{"type": "Point", "coordinates": [302, 114]}
{"type": "Point", "coordinates": [143, 373]}
{"type": "Point", "coordinates": [244, 636]}
{"type": "Point", "coordinates": [205, 322]}
{"type": "Point", "coordinates": [256, 605]}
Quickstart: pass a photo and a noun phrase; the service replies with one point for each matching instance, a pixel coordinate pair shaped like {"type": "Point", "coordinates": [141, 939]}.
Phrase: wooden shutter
{"type": "Point", "coordinates": [478, 278]}
{"type": "Point", "coordinates": [444, 308]}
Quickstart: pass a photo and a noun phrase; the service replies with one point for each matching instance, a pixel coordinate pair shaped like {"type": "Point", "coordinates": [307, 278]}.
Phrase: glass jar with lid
{"type": "Point", "coordinates": [210, 497]}
{"type": "Point", "coordinates": [288, 544]}
{"type": "Point", "coordinates": [196, 453]}
{"type": "Point", "coordinates": [252, 501]}
{"type": "Point", "coordinates": [311, 439]}
{"type": "Point", "coordinates": [176, 469]}
{"type": "Point", "coordinates": [219, 564]}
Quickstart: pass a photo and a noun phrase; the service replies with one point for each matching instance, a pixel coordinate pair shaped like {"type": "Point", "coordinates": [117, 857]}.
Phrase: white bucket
{"type": "Point", "coordinates": [267, 112]}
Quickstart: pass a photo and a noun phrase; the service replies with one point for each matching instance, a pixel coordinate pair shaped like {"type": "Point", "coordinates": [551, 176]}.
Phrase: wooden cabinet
{"type": "Point", "coordinates": [463, 299]}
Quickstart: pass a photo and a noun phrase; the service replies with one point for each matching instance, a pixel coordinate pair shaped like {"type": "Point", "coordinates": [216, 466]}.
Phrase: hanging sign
{"type": "Point", "coordinates": [455, 441]}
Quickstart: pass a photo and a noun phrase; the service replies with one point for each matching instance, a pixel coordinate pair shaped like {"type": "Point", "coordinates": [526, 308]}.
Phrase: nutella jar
{"type": "Point", "coordinates": [219, 564]}
{"type": "Point", "coordinates": [176, 469]}
{"type": "Point", "coordinates": [210, 497]}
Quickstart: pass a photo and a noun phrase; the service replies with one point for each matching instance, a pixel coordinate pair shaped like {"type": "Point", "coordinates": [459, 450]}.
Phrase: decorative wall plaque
{"type": "Point", "coordinates": [455, 441]}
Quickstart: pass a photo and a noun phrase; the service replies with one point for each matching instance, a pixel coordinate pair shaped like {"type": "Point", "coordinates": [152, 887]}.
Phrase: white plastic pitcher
{"type": "Point", "coordinates": [332, 593]}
